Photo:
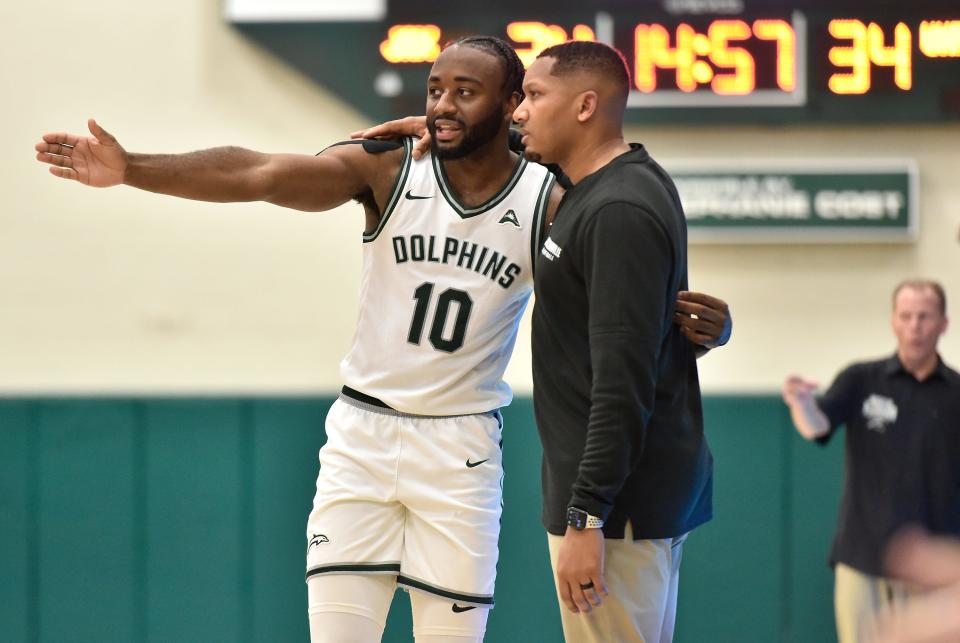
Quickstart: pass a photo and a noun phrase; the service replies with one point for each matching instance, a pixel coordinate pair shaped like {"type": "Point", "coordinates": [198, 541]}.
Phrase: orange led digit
{"type": "Point", "coordinates": [652, 51]}
{"type": "Point", "coordinates": [744, 78]}
{"type": "Point", "coordinates": [896, 55]}
{"type": "Point", "coordinates": [856, 57]}
{"type": "Point", "coordinates": [537, 35]}
{"type": "Point", "coordinates": [940, 38]}
{"type": "Point", "coordinates": [583, 32]}
{"type": "Point", "coordinates": [783, 34]}
{"type": "Point", "coordinates": [540, 36]}
{"type": "Point", "coordinates": [411, 44]}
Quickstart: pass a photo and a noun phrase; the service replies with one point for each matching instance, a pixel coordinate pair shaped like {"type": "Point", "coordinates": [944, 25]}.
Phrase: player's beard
{"type": "Point", "coordinates": [473, 137]}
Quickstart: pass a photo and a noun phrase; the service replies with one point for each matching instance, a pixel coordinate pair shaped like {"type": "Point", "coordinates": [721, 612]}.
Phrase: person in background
{"type": "Point", "coordinates": [902, 463]}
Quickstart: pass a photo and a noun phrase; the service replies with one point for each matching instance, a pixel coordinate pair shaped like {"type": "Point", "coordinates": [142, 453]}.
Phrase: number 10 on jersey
{"type": "Point", "coordinates": [445, 301]}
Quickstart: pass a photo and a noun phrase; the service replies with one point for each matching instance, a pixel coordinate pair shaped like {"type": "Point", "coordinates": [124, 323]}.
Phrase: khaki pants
{"type": "Point", "coordinates": [857, 600]}
{"type": "Point", "coordinates": [641, 607]}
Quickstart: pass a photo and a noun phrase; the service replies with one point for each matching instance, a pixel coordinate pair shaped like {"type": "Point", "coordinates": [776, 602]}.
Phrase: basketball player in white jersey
{"type": "Point", "coordinates": [409, 488]}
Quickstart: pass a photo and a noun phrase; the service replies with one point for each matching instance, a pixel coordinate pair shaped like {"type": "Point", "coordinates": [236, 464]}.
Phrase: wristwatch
{"type": "Point", "coordinates": [580, 519]}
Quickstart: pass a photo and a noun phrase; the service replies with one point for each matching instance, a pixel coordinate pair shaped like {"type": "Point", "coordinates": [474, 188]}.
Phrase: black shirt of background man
{"type": "Point", "coordinates": [616, 391]}
{"type": "Point", "coordinates": [902, 456]}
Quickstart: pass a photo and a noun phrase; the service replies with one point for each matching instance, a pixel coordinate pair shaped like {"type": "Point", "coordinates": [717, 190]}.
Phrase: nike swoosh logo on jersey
{"type": "Point", "coordinates": [414, 196]}
{"type": "Point", "coordinates": [457, 609]}
{"type": "Point", "coordinates": [471, 465]}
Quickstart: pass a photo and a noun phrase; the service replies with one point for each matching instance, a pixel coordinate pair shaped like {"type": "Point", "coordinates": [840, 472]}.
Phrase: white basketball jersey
{"type": "Point", "coordinates": [442, 291]}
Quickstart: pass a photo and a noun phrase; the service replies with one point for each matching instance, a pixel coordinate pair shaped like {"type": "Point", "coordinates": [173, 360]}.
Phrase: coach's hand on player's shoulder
{"type": "Point", "coordinates": [703, 319]}
{"type": "Point", "coordinates": [580, 569]}
{"type": "Point", "coordinates": [408, 126]}
{"type": "Point", "coordinates": [98, 161]}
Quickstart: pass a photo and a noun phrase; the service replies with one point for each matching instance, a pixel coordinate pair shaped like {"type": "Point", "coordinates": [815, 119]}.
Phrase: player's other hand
{"type": "Point", "coordinates": [703, 319]}
{"type": "Point", "coordinates": [798, 390]}
{"type": "Point", "coordinates": [98, 161]}
{"type": "Point", "coordinates": [410, 126]}
{"type": "Point", "coordinates": [931, 564]}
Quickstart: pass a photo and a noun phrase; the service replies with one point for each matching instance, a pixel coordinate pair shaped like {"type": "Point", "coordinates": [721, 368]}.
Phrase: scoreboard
{"type": "Point", "coordinates": [691, 61]}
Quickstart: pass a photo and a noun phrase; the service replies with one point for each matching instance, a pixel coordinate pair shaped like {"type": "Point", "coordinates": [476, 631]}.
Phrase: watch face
{"type": "Point", "coordinates": [576, 518]}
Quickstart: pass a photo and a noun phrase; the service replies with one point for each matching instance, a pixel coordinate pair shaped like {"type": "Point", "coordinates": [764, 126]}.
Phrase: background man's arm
{"type": "Point", "coordinates": [225, 174]}
{"type": "Point", "coordinates": [807, 417]}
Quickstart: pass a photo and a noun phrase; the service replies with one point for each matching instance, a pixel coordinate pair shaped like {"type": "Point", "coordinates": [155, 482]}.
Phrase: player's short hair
{"type": "Point", "coordinates": [923, 284]}
{"type": "Point", "coordinates": [512, 67]}
{"type": "Point", "coordinates": [593, 57]}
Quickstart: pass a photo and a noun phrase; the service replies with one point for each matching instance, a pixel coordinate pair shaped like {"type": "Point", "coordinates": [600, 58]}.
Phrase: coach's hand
{"type": "Point", "coordinates": [98, 160]}
{"type": "Point", "coordinates": [580, 569]}
{"type": "Point", "coordinates": [703, 319]}
{"type": "Point", "coordinates": [409, 126]}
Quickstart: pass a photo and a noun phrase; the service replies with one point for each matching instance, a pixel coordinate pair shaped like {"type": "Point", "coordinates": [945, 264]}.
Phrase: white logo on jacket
{"type": "Point", "coordinates": [550, 249]}
{"type": "Point", "coordinates": [879, 411]}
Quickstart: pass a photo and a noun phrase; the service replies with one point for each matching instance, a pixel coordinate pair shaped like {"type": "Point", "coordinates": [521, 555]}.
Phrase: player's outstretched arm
{"type": "Point", "coordinates": [807, 417]}
{"type": "Point", "coordinates": [222, 174]}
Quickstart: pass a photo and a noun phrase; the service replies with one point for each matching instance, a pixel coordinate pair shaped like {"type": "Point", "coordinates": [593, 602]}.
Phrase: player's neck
{"type": "Point", "coordinates": [479, 176]}
{"type": "Point", "coordinates": [592, 154]}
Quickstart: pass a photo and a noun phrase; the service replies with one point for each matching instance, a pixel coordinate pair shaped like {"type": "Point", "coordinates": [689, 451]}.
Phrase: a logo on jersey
{"type": "Point", "coordinates": [879, 411]}
{"type": "Point", "coordinates": [463, 254]}
{"type": "Point", "coordinates": [413, 197]}
{"type": "Point", "coordinates": [510, 217]}
{"type": "Point", "coordinates": [550, 249]}
{"type": "Point", "coordinates": [471, 465]}
{"type": "Point", "coordinates": [458, 610]}
{"type": "Point", "coordinates": [318, 539]}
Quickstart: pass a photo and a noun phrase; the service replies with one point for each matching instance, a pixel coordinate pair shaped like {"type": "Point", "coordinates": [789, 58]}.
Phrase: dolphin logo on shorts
{"type": "Point", "coordinates": [318, 539]}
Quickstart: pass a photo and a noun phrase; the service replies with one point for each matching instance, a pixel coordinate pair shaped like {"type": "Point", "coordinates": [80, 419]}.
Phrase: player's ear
{"type": "Point", "coordinates": [512, 103]}
{"type": "Point", "coordinates": [587, 104]}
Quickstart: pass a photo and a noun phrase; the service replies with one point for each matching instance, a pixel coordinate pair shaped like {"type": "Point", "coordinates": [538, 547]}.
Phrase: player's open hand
{"type": "Point", "coordinates": [98, 160]}
{"type": "Point", "coordinates": [703, 319]}
{"type": "Point", "coordinates": [410, 126]}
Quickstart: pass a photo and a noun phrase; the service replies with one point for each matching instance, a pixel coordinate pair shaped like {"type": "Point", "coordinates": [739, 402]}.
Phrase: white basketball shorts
{"type": "Point", "coordinates": [413, 496]}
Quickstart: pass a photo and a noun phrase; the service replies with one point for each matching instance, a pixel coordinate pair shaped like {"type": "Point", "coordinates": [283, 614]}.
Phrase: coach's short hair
{"type": "Point", "coordinates": [593, 57]}
{"type": "Point", "coordinates": [923, 284]}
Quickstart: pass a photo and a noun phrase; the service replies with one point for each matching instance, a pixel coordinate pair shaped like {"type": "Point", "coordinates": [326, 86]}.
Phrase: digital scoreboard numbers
{"type": "Point", "coordinates": [813, 62]}
{"type": "Point", "coordinates": [725, 62]}
{"type": "Point", "coordinates": [719, 62]}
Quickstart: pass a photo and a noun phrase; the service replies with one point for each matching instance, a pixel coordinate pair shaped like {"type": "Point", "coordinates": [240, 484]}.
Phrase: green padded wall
{"type": "Point", "coordinates": [183, 520]}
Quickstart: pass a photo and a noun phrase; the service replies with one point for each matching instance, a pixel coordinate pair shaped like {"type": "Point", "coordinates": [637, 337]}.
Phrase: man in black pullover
{"type": "Point", "coordinates": [627, 471]}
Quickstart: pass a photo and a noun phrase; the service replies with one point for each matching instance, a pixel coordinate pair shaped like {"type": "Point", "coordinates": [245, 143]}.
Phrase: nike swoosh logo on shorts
{"type": "Point", "coordinates": [457, 609]}
{"type": "Point", "coordinates": [471, 465]}
{"type": "Point", "coordinates": [414, 196]}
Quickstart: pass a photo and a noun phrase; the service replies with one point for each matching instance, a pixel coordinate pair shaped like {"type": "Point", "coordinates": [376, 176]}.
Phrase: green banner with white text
{"type": "Point", "coordinates": [775, 202]}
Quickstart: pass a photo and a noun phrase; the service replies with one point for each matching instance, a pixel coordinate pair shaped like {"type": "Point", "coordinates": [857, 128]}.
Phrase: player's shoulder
{"type": "Point", "coordinates": [372, 145]}
{"type": "Point", "coordinates": [371, 157]}
{"type": "Point", "coordinates": [371, 149]}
